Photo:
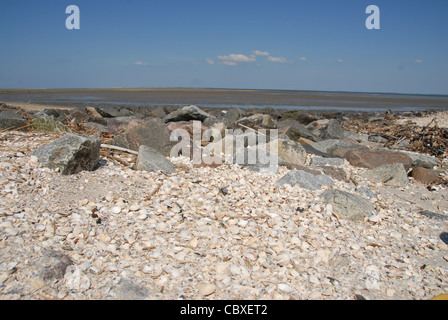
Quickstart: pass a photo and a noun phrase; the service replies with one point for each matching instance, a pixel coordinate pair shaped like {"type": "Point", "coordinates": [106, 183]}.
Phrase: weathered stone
{"type": "Point", "coordinates": [423, 175]}
{"type": "Point", "coordinates": [187, 113]}
{"type": "Point", "coordinates": [160, 112]}
{"type": "Point", "coordinates": [348, 206]}
{"type": "Point", "coordinates": [78, 116]}
{"type": "Point", "coordinates": [289, 151]}
{"type": "Point", "coordinates": [152, 132]}
{"type": "Point", "coordinates": [333, 130]}
{"type": "Point", "coordinates": [150, 159]}
{"type": "Point", "coordinates": [305, 180]}
{"type": "Point", "coordinates": [257, 121]}
{"type": "Point", "coordinates": [232, 116]}
{"type": "Point", "coordinates": [10, 121]}
{"type": "Point", "coordinates": [296, 130]}
{"type": "Point", "coordinates": [70, 153]}
{"type": "Point", "coordinates": [377, 138]}
{"type": "Point", "coordinates": [92, 112]}
{"type": "Point", "coordinates": [373, 158]}
{"type": "Point", "coordinates": [321, 161]}
{"type": "Point", "coordinates": [335, 173]}
{"type": "Point", "coordinates": [392, 174]}
{"type": "Point", "coordinates": [434, 216]}
{"type": "Point", "coordinates": [423, 160]}
{"type": "Point", "coordinates": [327, 146]}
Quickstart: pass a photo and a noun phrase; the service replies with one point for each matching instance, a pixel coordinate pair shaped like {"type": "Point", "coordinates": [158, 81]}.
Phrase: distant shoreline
{"type": "Point", "coordinates": [226, 98]}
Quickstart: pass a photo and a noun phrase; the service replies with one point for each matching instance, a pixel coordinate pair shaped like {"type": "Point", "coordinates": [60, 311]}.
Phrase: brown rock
{"type": "Point", "coordinates": [335, 173]}
{"type": "Point", "coordinates": [423, 175]}
{"type": "Point", "coordinates": [373, 158]}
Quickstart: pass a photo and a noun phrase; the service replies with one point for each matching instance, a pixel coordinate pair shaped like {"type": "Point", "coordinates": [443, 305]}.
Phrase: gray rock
{"type": "Point", "coordinates": [422, 160]}
{"type": "Point", "coordinates": [70, 153]}
{"type": "Point", "coordinates": [365, 191]}
{"type": "Point", "coordinates": [305, 180]}
{"type": "Point", "coordinates": [113, 112]}
{"type": "Point", "coordinates": [150, 159]}
{"type": "Point", "coordinates": [187, 113]}
{"type": "Point", "coordinates": [320, 161]}
{"type": "Point", "coordinates": [10, 121]}
{"type": "Point", "coordinates": [377, 138]}
{"type": "Point", "coordinates": [233, 115]}
{"type": "Point", "coordinates": [328, 145]}
{"type": "Point", "coordinates": [333, 130]}
{"type": "Point", "coordinates": [295, 130]}
{"type": "Point", "coordinates": [258, 160]}
{"type": "Point", "coordinates": [152, 132]}
{"type": "Point", "coordinates": [160, 112]}
{"type": "Point", "coordinates": [288, 150]}
{"type": "Point", "coordinates": [390, 174]}
{"type": "Point", "coordinates": [434, 216]}
{"type": "Point", "coordinates": [78, 116]}
{"type": "Point", "coordinates": [348, 206]}
{"type": "Point", "coordinates": [359, 137]}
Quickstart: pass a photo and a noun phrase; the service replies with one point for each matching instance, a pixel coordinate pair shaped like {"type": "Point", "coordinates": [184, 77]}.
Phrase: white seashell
{"type": "Point", "coordinates": [207, 289]}
{"type": "Point", "coordinates": [285, 288]}
{"type": "Point", "coordinates": [115, 210]}
{"type": "Point", "coordinates": [75, 280]}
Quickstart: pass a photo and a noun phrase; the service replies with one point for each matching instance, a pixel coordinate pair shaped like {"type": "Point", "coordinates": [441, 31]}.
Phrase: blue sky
{"type": "Point", "coordinates": [290, 45]}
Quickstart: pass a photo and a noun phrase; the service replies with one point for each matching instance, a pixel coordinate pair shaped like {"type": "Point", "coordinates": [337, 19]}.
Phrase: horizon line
{"type": "Point", "coordinates": [2, 90]}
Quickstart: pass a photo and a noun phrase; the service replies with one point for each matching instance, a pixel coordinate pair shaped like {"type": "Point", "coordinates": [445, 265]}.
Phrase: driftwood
{"type": "Point", "coordinates": [108, 146]}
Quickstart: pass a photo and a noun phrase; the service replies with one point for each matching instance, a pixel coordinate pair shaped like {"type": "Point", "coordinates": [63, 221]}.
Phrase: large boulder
{"type": "Point", "coordinates": [371, 158]}
{"type": "Point", "coordinates": [150, 159]}
{"type": "Point", "coordinates": [289, 151]}
{"type": "Point", "coordinates": [305, 180]}
{"type": "Point", "coordinates": [11, 121]}
{"type": "Point", "coordinates": [348, 206]}
{"type": "Point", "coordinates": [70, 153]}
{"type": "Point", "coordinates": [392, 174]}
{"type": "Point", "coordinates": [333, 130]}
{"type": "Point", "coordinates": [186, 113]}
{"type": "Point", "coordinates": [152, 132]}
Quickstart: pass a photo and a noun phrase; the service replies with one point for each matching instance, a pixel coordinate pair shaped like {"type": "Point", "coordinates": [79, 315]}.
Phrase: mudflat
{"type": "Point", "coordinates": [281, 99]}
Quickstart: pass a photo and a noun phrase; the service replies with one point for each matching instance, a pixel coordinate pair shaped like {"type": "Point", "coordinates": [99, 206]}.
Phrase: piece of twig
{"type": "Point", "coordinates": [108, 146]}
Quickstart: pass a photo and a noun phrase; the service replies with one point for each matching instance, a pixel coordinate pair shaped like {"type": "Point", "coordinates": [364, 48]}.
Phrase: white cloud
{"type": "Point", "coordinates": [139, 63]}
{"type": "Point", "coordinates": [210, 61]}
{"type": "Point", "coordinates": [419, 61]}
{"type": "Point", "coordinates": [233, 59]}
{"type": "Point", "coordinates": [229, 63]}
{"type": "Point", "coordinates": [340, 60]}
{"type": "Point", "coordinates": [277, 59]}
{"type": "Point", "coordinates": [303, 58]}
{"type": "Point", "coordinates": [260, 53]}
